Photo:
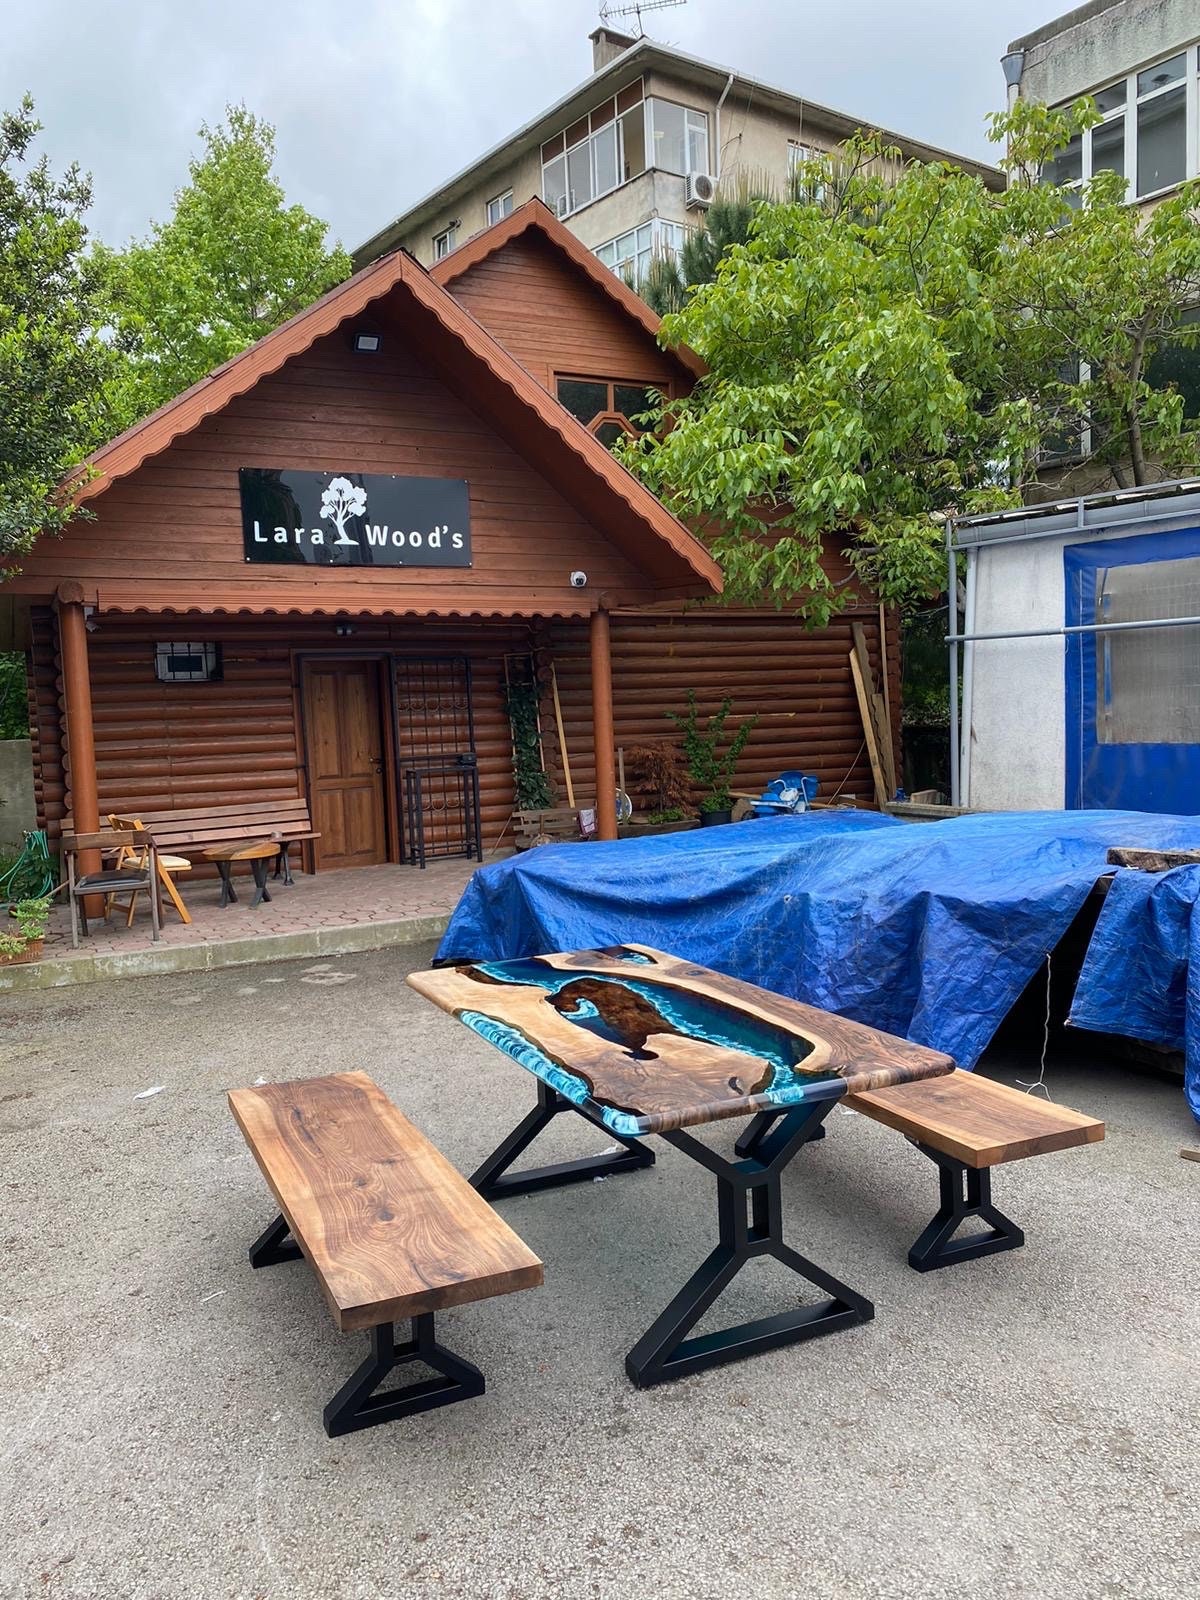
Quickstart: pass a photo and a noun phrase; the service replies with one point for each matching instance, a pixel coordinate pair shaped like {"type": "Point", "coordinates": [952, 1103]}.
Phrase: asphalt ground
{"type": "Point", "coordinates": [1022, 1425]}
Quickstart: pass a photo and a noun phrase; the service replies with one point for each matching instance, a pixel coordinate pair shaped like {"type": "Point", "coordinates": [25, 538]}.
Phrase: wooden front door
{"type": "Point", "coordinates": [344, 735]}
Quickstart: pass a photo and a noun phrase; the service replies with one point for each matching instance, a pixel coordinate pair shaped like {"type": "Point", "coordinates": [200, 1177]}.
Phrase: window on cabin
{"type": "Point", "coordinates": [608, 408]}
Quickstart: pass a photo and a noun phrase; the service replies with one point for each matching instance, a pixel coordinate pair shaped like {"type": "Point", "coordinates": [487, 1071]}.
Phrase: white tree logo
{"type": "Point", "coordinates": [341, 501]}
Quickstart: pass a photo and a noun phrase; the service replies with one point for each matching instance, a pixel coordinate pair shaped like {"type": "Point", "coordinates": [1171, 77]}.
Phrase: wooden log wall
{"type": "Point", "coordinates": [797, 681]}
{"type": "Point", "coordinates": [161, 746]}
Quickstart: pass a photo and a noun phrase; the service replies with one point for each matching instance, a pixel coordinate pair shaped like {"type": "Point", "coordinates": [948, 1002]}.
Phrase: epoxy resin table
{"type": "Point", "coordinates": [641, 1043]}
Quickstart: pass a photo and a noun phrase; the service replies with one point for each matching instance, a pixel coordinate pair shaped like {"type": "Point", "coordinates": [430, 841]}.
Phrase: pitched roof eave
{"type": "Point", "coordinates": [618, 488]}
{"type": "Point", "coordinates": [536, 216]}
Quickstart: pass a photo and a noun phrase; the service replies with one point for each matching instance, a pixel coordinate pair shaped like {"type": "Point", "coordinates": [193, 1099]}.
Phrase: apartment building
{"type": "Point", "coordinates": [1139, 60]}
{"type": "Point", "coordinates": [629, 159]}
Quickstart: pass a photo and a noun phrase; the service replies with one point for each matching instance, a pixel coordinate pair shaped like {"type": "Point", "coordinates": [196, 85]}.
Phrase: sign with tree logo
{"type": "Point", "coordinates": [353, 519]}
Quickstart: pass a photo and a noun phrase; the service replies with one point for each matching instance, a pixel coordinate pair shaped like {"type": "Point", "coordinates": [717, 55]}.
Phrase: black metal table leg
{"type": "Point", "coordinates": [750, 1215]}
{"type": "Point", "coordinates": [261, 892]}
{"type": "Point", "coordinates": [228, 892]}
{"type": "Point", "coordinates": [356, 1404]}
{"type": "Point", "coordinates": [759, 1126]}
{"type": "Point", "coordinates": [272, 1245]}
{"type": "Point", "coordinates": [492, 1179]}
{"type": "Point", "coordinates": [965, 1192]}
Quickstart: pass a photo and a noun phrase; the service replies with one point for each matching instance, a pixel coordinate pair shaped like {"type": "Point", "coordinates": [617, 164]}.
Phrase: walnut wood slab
{"type": "Point", "coordinates": [390, 1228]}
{"type": "Point", "coordinates": [978, 1122]}
{"type": "Point", "coordinates": [649, 1043]}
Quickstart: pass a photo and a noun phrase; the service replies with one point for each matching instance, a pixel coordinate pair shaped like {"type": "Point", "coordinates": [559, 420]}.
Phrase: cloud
{"type": "Point", "coordinates": [378, 101]}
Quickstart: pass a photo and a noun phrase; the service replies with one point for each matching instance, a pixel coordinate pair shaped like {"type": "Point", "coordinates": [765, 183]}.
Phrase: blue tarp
{"type": "Point", "coordinates": [930, 930]}
{"type": "Point", "coordinates": [1141, 975]}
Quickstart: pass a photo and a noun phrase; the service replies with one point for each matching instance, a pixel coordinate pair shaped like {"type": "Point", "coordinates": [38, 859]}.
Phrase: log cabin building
{"type": "Point", "coordinates": [318, 569]}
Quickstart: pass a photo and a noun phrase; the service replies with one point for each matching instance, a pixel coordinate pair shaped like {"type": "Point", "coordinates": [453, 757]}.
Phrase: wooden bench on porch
{"type": "Point", "coordinates": [285, 822]}
{"type": "Point", "coordinates": [390, 1228]}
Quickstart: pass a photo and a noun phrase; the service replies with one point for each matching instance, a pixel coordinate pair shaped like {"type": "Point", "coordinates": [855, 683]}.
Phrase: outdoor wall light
{"type": "Point", "coordinates": [367, 344]}
{"type": "Point", "coordinates": [344, 630]}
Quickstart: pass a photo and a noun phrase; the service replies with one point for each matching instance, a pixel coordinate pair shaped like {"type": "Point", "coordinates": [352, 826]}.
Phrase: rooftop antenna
{"type": "Point", "coordinates": [610, 12]}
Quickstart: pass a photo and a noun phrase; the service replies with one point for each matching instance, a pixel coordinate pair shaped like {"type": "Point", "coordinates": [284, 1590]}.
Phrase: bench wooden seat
{"type": "Point", "coordinates": [389, 1227]}
{"type": "Point", "coordinates": [967, 1124]}
{"type": "Point", "coordinates": [287, 822]}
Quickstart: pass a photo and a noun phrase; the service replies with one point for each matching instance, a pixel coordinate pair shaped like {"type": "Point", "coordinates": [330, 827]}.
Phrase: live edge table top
{"type": "Point", "coordinates": [645, 1042]}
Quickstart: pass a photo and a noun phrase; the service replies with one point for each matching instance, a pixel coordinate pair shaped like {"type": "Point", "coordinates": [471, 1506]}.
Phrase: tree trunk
{"type": "Point", "coordinates": [1137, 454]}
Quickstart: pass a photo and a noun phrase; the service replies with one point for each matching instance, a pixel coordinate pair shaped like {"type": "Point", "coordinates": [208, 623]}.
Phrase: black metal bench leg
{"type": "Point", "coordinates": [283, 865]}
{"type": "Point", "coordinates": [270, 1248]}
{"type": "Point", "coordinates": [493, 1180]}
{"type": "Point", "coordinates": [357, 1404]}
{"type": "Point", "coordinates": [750, 1213]}
{"type": "Point", "coordinates": [965, 1192]}
{"type": "Point", "coordinates": [261, 892]}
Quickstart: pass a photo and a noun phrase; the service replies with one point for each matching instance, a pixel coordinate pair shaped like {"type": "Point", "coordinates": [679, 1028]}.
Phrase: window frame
{"type": "Point", "coordinates": [611, 411]}
{"type": "Point", "coordinates": [611, 114]}
{"type": "Point", "coordinates": [659, 244]}
{"type": "Point", "coordinates": [598, 122]}
{"type": "Point", "coordinates": [1127, 115]}
{"type": "Point", "coordinates": [445, 241]}
{"type": "Point", "coordinates": [498, 200]}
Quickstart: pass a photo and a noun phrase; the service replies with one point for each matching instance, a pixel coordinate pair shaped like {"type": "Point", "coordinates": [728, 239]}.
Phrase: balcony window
{"type": "Point", "coordinates": [594, 155]}
{"type": "Point", "coordinates": [1161, 127]}
{"type": "Point", "coordinates": [618, 141]}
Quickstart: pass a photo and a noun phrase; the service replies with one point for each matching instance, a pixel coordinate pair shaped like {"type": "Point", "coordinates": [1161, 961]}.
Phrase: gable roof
{"type": "Point", "coordinates": [536, 217]}
{"type": "Point", "coordinates": [587, 475]}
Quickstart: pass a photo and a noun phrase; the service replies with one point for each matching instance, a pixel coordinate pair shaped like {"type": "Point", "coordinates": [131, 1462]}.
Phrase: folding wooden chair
{"type": "Point", "coordinates": [109, 881]}
{"type": "Point", "coordinates": [167, 864]}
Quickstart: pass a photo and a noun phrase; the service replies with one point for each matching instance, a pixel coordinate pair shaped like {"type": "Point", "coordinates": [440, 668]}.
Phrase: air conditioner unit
{"type": "Point", "coordinates": [565, 204]}
{"type": "Point", "coordinates": [700, 191]}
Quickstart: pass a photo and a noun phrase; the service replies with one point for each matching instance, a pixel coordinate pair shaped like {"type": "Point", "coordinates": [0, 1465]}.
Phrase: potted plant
{"type": "Point", "coordinates": [23, 940]}
{"type": "Point", "coordinates": [711, 770]}
{"type": "Point", "coordinates": [658, 778]}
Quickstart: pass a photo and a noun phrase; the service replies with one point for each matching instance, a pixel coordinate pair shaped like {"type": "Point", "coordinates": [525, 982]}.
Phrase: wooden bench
{"type": "Point", "coordinates": [285, 822]}
{"type": "Point", "coordinates": [967, 1125]}
{"type": "Point", "coordinates": [389, 1227]}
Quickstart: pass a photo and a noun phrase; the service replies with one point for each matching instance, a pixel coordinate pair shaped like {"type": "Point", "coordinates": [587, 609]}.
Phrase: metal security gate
{"type": "Point", "coordinates": [435, 757]}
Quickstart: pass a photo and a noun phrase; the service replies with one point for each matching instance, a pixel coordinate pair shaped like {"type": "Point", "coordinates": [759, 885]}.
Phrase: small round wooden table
{"type": "Point", "coordinates": [258, 852]}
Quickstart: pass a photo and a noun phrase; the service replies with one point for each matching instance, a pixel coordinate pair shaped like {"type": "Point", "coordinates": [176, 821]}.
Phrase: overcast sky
{"type": "Point", "coordinates": [378, 101]}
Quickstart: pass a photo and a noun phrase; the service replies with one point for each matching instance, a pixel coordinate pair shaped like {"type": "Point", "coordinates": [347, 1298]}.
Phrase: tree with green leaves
{"type": "Point", "coordinates": [894, 345]}
{"type": "Point", "coordinates": [848, 343]}
{"type": "Point", "coordinates": [233, 261]}
{"type": "Point", "coordinates": [1097, 289]}
{"type": "Point", "coordinates": [53, 361]}
{"type": "Point", "coordinates": [727, 222]}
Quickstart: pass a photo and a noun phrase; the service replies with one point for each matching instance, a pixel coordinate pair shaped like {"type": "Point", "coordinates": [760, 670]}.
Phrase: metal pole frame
{"type": "Point", "coordinates": [952, 641]}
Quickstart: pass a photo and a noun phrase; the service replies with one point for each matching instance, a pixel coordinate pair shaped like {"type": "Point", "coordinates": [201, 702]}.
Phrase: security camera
{"type": "Point", "coordinates": [579, 580]}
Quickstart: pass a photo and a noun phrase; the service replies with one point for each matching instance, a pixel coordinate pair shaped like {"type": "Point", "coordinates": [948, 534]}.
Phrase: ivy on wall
{"type": "Point", "coordinates": [530, 783]}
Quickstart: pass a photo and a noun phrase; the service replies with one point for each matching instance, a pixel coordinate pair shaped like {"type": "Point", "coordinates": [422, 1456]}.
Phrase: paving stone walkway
{"type": "Point", "coordinates": [360, 909]}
